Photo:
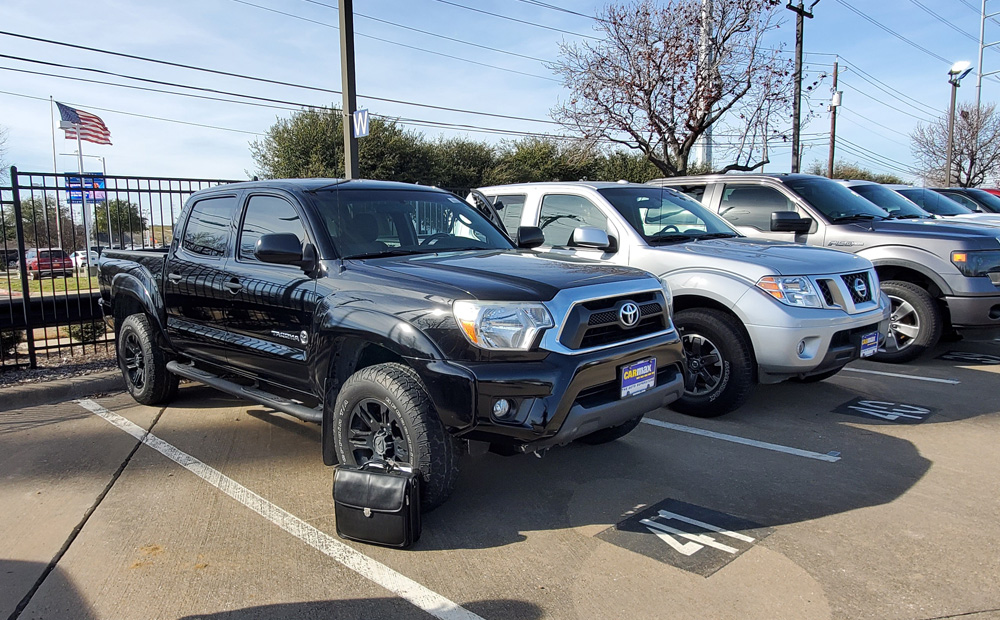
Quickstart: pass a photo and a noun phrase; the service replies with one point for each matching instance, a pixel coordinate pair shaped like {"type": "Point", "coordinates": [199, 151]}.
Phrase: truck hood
{"type": "Point", "coordinates": [755, 258]}
{"type": "Point", "coordinates": [498, 275]}
{"type": "Point", "coordinates": [942, 229]}
{"type": "Point", "coordinates": [985, 219]}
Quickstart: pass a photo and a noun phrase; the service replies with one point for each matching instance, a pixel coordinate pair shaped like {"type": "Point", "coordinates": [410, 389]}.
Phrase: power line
{"type": "Point", "coordinates": [875, 155]}
{"type": "Point", "coordinates": [270, 81]}
{"type": "Point", "coordinates": [888, 105]}
{"type": "Point", "coordinates": [869, 129]}
{"type": "Point", "coordinates": [391, 42]}
{"type": "Point", "coordinates": [553, 7]}
{"type": "Point", "coordinates": [889, 90]}
{"type": "Point", "coordinates": [514, 19]}
{"type": "Point", "coordinates": [146, 116]}
{"type": "Point", "coordinates": [427, 32]}
{"type": "Point", "coordinates": [945, 21]}
{"type": "Point", "coordinates": [893, 32]}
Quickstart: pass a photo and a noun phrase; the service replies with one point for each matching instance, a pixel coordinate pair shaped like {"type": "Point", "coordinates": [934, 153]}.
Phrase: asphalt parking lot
{"type": "Point", "coordinates": [869, 495]}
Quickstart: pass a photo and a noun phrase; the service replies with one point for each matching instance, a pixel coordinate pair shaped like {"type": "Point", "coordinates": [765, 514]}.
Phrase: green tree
{"type": "Point", "coordinates": [848, 170]}
{"type": "Point", "coordinates": [125, 219]}
{"type": "Point", "coordinates": [460, 164]}
{"type": "Point", "coordinates": [621, 165]}
{"type": "Point", "coordinates": [532, 160]}
{"type": "Point", "coordinates": [310, 144]}
{"type": "Point", "coordinates": [39, 215]}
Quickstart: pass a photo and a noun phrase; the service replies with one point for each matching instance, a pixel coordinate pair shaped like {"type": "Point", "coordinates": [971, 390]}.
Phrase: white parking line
{"type": "Point", "coordinates": [404, 587]}
{"type": "Point", "coordinates": [902, 376]}
{"type": "Point", "coordinates": [831, 457]}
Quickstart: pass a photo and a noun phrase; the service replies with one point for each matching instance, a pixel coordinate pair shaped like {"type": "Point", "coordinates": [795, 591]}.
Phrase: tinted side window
{"type": "Point", "coordinates": [962, 200]}
{"type": "Point", "coordinates": [510, 208]}
{"type": "Point", "coordinates": [752, 205]}
{"type": "Point", "coordinates": [560, 215]}
{"type": "Point", "coordinates": [266, 215]}
{"type": "Point", "coordinates": [695, 191]}
{"type": "Point", "coordinates": [207, 230]}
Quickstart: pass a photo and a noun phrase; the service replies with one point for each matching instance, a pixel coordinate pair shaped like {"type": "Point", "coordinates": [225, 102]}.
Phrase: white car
{"type": "Point", "coordinates": [81, 259]}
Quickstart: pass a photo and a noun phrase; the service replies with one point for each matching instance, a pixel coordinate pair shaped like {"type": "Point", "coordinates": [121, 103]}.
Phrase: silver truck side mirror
{"type": "Point", "coordinates": [590, 237]}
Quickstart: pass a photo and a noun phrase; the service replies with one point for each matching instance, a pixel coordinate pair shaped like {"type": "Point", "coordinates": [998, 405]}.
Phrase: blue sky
{"type": "Point", "coordinates": [889, 85]}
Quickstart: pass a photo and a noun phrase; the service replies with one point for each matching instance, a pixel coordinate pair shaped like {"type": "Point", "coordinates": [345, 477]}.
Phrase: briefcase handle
{"type": "Point", "coordinates": [386, 466]}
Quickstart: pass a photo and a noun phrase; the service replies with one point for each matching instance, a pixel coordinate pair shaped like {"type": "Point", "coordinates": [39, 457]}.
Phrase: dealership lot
{"type": "Point", "coordinates": [871, 495]}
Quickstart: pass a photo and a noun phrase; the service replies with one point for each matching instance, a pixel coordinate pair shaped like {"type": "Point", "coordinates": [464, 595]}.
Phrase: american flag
{"type": "Point", "coordinates": [92, 128]}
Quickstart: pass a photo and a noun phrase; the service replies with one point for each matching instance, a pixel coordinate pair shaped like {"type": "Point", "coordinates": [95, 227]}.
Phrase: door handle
{"type": "Point", "coordinates": [175, 277]}
{"type": "Point", "coordinates": [233, 286]}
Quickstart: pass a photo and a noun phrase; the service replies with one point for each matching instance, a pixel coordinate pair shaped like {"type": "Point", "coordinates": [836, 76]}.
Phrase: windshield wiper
{"type": "Point", "coordinates": [910, 216]}
{"type": "Point", "coordinates": [867, 217]}
{"type": "Point", "coordinates": [718, 235]}
{"type": "Point", "coordinates": [393, 252]}
{"type": "Point", "coordinates": [670, 238]}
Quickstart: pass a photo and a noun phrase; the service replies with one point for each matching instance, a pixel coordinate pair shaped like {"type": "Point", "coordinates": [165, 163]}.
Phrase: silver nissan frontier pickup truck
{"type": "Point", "coordinates": [748, 311]}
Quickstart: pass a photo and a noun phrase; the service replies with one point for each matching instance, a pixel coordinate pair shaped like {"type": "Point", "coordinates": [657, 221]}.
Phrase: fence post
{"type": "Point", "coordinates": [23, 268]}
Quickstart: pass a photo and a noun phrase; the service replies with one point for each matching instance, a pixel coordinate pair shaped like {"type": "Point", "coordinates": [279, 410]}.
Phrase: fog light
{"type": "Point", "coordinates": [802, 347]}
{"type": "Point", "coordinates": [501, 409]}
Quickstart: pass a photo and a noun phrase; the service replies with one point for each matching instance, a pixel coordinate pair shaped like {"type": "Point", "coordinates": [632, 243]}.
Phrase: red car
{"type": "Point", "coordinates": [48, 262]}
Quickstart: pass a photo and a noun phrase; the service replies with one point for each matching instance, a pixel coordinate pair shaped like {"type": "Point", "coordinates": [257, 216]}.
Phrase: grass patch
{"type": "Point", "coordinates": [11, 281]}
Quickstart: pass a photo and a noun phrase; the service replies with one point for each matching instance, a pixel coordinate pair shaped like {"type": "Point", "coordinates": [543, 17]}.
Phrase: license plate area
{"type": "Point", "coordinates": [638, 377]}
{"type": "Point", "coordinates": [869, 344]}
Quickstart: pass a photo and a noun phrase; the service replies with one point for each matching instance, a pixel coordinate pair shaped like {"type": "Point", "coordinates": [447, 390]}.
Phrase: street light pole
{"type": "Point", "coordinates": [958, 71]}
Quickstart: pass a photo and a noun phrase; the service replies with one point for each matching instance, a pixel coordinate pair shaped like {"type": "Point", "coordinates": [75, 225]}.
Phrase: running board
{"type": "Point", "coordinates": [256, 395]}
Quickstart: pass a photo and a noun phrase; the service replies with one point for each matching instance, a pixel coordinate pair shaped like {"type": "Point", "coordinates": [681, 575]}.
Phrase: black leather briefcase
{"type": "Point", "coordinates": [377, 503]}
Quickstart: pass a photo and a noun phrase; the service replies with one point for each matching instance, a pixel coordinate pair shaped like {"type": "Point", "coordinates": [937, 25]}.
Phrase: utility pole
{"type": "Point", "coordinates": [801, 12]}
{"type": "Point", "coordinates": [350, 103]}
{"type": "Point", "coordinates": [834, 104]}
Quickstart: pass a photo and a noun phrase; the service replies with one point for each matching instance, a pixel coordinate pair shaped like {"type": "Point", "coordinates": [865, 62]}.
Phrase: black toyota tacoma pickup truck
{"type": "Point", "coordinates": [396, 316]}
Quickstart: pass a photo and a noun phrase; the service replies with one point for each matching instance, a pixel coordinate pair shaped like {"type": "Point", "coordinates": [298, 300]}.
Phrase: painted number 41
{"type": "Point", "coordinates": [697, 542]}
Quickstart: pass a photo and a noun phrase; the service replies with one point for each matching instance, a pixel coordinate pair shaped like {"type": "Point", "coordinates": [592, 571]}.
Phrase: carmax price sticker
{"type": "Point", "coordinates": [689, 537]}
{"type": "Point", "coordinates": [898, 413]}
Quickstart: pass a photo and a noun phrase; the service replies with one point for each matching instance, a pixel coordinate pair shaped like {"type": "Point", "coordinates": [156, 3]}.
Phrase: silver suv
{"type": "Point", "coordinates": [748, 311]}
{"type": "Point", "coordinates": [938, 274]}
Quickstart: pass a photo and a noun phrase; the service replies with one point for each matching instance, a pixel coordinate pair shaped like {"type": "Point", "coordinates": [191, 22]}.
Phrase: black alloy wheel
{"type": "Point", "coordinates": [376, 432]}
{"type": "Point", "coordinates": [134, 360]}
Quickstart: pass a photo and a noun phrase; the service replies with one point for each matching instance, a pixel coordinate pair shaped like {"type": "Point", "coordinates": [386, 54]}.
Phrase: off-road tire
{"type": "Point", "coordinates": [913, 306]}
{"type": "Point", "coordinates": [428, 446]}
{"type": "Point", "coordinates": [611, 433]}
{"type": "Point", "coordinates": [734, 370]}
{"type": "Point", "coordinates": [143, 359]}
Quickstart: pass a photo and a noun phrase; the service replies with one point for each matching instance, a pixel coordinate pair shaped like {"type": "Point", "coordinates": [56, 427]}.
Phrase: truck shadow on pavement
{"type": "Point", "coordinates": [369, 609]}
{"type": "Point", "coordinates": [56, 598]}
{"type": "Point", "coordinates": [500, 499]}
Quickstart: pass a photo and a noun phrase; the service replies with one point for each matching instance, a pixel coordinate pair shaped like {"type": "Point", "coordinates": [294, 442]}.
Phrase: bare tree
{"type": "Point", "coordinates": [976, 151]}
{"type": "Point", "coordinates": [649, 83]}
{"type": "Point", "coordinates": [3, 154]}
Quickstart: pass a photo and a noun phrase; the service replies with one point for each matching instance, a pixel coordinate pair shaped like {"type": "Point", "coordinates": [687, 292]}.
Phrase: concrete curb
{"type": "Point", "coordinates": [34, 394]}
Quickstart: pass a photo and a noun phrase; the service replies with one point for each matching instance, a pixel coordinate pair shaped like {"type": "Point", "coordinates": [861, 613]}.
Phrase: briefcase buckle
{"type": "Point", "coordinates": [368, 512]}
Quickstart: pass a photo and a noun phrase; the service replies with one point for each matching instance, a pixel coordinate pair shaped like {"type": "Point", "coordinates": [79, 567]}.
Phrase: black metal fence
{"type": "Point", "coordinates": [48, 278]}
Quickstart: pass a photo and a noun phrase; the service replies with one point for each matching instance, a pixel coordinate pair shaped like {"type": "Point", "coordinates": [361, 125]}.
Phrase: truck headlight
{"type": "Point", "coordinates": [791, 290]}
{"type": "Point", "coordinates": [976, 262]}
{"type": "Point", "coordinates": [668, 296]}
{"type": "Point", "coordinates": [502, 326]}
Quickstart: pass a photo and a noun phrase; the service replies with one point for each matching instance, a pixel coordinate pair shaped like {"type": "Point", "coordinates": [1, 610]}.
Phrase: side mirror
{"type": "Point", "coordinates": [285, 249]}
{"type": "Point", "coordinates": [590, 237]}
{"type": "Point", "coordinates": [529, 237]}
{"type": "Point", "coordinates": [789, 221]}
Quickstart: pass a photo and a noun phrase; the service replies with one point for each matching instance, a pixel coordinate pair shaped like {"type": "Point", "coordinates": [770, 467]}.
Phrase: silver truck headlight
{"type": "Point", "coordinates": [502, 326]}
{"type": "Point", "coordinates": [791, 290]}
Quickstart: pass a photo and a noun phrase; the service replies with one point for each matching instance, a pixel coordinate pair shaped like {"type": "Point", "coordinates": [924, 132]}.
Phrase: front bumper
{"type": "Point", "coordinates": [974, 312]}
{"type": "Point", "coordinates": [557, 399]}
{"type": "Point", "coordinates": [828, 342]}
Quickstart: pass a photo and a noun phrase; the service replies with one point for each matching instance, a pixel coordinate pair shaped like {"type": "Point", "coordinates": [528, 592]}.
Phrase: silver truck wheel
{"type": "Point", "coordinates": [915, 324]}
{"type": "Point", "coordinates": [718, 375]}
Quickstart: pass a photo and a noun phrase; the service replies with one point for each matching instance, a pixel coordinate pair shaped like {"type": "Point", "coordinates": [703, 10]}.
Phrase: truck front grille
{"type": "Point", "coordinates": [851, 281]}
{"type": "Point", "coordinates": [596, 323]}
{"type": "Point", "coordinates": [824, 288]}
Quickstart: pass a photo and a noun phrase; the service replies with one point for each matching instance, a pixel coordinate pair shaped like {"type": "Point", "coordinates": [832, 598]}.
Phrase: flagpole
{"type": "Point", "coordinates": [55, 169]}
{"type": "Point", "coordinates": [83, 191]}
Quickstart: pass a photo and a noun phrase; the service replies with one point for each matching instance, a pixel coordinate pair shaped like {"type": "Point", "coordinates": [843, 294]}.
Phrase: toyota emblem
{"type": "Point", "coordinates": [628, 314]}
{"type": "Point", "coordinates": [860, 287]}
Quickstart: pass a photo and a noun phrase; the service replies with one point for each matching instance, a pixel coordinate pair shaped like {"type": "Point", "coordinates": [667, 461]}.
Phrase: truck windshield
{"type": "Point", "coordinates": [933, 202]}
{"type": "Point", "coordinates": [989, 202]}
{"type": "Point", "coordinates": [388, 222]}
{"type": "Point", "coordinates": [895, 204]}
{"type": "Point", "coordinates": [664, 215]}
{"type": "Point", "coordinates": [833, 200]}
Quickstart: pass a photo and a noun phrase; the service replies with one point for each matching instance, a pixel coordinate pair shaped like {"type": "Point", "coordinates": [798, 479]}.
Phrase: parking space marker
{"type": "Point", "coordinates": [832, 457]}
{"type": "Point", "coordinates": [404, 587]}
{"type": "Point", "coordinates": [902, 376]}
